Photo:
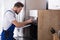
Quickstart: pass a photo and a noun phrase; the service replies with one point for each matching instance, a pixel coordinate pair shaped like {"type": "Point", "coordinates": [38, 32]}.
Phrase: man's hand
{"type": "Point", "coordinates": [29, 20]}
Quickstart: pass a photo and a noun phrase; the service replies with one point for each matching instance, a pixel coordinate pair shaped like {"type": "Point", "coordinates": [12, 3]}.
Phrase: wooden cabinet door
{"type": "Point", "coordinates": [46, 20]}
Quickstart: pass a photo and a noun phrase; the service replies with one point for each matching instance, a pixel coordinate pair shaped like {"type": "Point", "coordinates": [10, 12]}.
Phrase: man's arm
{"type": "Point", "coordinates": [21, 24]}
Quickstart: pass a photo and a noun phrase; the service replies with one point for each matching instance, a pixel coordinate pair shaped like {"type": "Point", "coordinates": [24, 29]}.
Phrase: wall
{"type": "Point", "coordinates": [1, 16]}
{"type": "Point", "coordinates": [36, 4]}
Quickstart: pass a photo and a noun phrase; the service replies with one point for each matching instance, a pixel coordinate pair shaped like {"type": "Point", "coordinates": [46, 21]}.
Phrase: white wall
{"type": "Point", "coordinates": [1, 16]}
{"type": "Point", "coordinates": [54, 4]}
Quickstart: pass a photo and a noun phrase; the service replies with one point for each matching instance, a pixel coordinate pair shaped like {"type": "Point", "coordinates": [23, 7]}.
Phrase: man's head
{"type": "Point", "coordinates": [18, 7]}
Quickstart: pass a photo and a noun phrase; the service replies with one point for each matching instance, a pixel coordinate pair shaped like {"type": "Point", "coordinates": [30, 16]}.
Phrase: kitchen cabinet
{"type": "Point", "coordinates": [46, 20]}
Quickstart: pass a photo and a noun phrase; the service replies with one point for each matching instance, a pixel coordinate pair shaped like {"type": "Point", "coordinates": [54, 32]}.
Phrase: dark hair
{"type": "Point", "coordinates": [18, 4]}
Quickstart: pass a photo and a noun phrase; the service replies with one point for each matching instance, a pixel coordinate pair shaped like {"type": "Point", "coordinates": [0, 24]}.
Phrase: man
{"type": "Point", "coordinates": [10, 22]}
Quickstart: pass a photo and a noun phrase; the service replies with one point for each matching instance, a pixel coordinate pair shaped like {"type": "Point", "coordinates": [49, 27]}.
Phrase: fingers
{"type": "Point", "coordinates": [29, 21]}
